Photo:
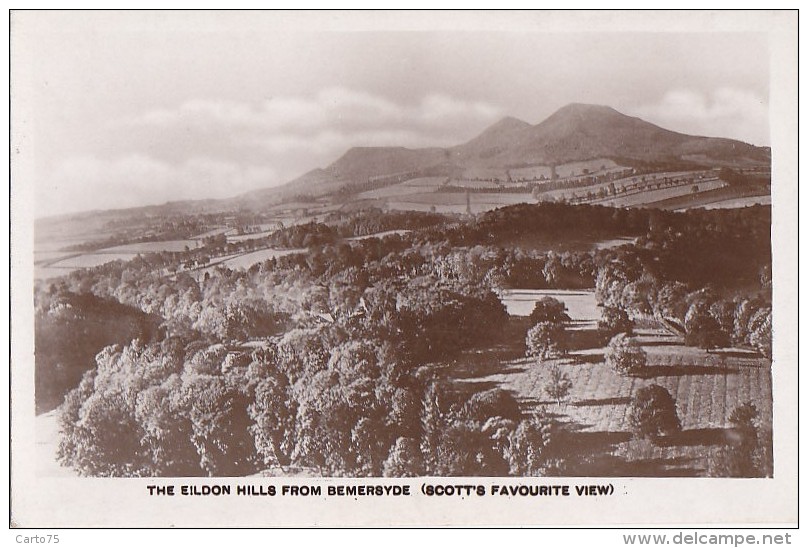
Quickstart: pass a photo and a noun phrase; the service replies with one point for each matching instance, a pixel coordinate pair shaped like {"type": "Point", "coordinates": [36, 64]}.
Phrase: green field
{"type": "Point", "coordinates": [650, 196]}
{"type": "Point", "coordinates": [252, 236]}
{"type": "Point", "coordinates": [581, 304]}
{"type": "Point", "coordinates": [378, 235]}
{"type": "Point", "coordinates": [741, 202]}
{"type": "Point", "coordinates": [89, 260]}
{"type": "Point", "coordinates": [593, 429]}
{"type": "Point", "coordinates": [598, 165]}
{"type": "Point", "coordinates": [214, 232]}
{"type": "Point", "coordinates": [256, 257]}
{"type": "Point", "coordinates": [733, 196]}
{"type": "Point", "coordinates": [626, 181]}
{"type": "Point", "coordinates": [411, 186]}
{"type": "Point", "coordinates": [455, 202]}
{"type": "Point", "coordinates": [174, 246]}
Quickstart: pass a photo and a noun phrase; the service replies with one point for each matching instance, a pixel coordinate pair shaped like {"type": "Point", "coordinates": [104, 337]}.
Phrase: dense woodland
{"type": "Point", "coordinates": [323, 361]}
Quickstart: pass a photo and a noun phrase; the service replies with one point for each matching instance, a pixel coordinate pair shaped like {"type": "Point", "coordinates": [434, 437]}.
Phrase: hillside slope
{"type": "Point", "coordinates": [576, 132]}
{"type": "Point", "coordinates": [579, 132]}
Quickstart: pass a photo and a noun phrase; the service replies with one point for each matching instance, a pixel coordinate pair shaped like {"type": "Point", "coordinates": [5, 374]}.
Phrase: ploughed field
{"type": "Point", "coordinates": [50, 264]}
{"type": "Point", "coordinates": [666, 190]}
{"type": "Point", "coordinates": [581, 305]}
{"type": "Point", "coordinates": [594, 437]}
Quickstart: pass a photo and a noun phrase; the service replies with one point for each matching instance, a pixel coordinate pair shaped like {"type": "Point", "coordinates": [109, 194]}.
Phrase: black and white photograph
{"type": "Point", "coordinates": [517, 248]}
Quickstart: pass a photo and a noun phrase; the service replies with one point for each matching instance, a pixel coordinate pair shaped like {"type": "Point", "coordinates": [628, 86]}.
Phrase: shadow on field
{"type": "Point", "coordinates": [531, 404]}
{"type": "Point", "coordinates": [603, 401]}
{"type": "Point", "coordinates": [659, 342]}
{"type": "Point", "coordinates": [588, 358]}
{"type": "Point", "coordinates": [584, 339]}
{"type": "Point", "coordinates": [600, 453]}
{"type": "Point", "coordinates": [672, 467]}
{"type": "Point", "coordinates": [468, 370]}
{"type": "Point", "coordinates": [696, 436]}
{"type": "Point", "coordinates": [742, 354]}
{"type": "Point", "coordinates": [651, 371]}
{"type": "Point", "coordinates": [504, 355]}
{"type": "Point", "coordinates": [459, 392]}
{"type": "Point", "coordinates": [585, 453]}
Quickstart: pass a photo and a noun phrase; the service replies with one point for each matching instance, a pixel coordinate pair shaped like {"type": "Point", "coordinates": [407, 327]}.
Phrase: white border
{"type": "Point", "coordinates": [43, 502]}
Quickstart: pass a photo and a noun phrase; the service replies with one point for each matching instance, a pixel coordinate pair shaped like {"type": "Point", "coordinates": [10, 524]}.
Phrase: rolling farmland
{"type": "Point", "coordinates": [666, 190]}
{"type": "Point", "coordinates": [410, 186]}
{"type": "Point", "coordinates": [740, 202]}
{"type": "Point", "coordinates": [593, 419]}
{"type": "Point", "coordinates": [598, 165]}
{"type": "Point", "coordinates": [89, 260]}
{"type": "Point", "coordinates": [256, 257]}
{"type": "Point", "coordinates": [51, 264]}
{"type": "Point", "coordinates": [649, 196]}
{"type": "Point", "coordinates": [581, 305]}
{"type": "Point", "coordinates": [455, 202]}
{"type": "Point", "coordinates": [172, 246]}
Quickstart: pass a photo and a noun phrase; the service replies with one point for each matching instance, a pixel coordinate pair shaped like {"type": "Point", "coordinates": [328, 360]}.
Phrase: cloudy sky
{"type": "Point", "coordinates": [145, 108]}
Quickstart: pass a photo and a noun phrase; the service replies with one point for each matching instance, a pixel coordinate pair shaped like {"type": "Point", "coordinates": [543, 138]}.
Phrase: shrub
{"type": "Point", "coordinates": [624, 355]}
{"type": "Point", "coordinates": [546, 340]}
{"type": "Point", "coordinates": [491, 403]}
{"type": "Point", "coordinates": [748, 454]}
{"type": "Point", "coordinates": [550, 310]}
{"type": "Point", "coordinates": [702, 329]}
{"type": "Point", "coordinates": [528, 447]}
{"type": "Point", "coordinates": [558, 385]}
{"type": "Point", "coordinates": [745, 415]}
{"type": "Point", "coordinates": [653, 412]}
{"type": "Point", "coordinates": [614, 320]}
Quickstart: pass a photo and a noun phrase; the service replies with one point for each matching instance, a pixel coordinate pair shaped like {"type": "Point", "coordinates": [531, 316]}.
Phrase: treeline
{"type": "Point", "coordinates": [373, 221]}
{"type": "Point", "coordinates": [321, 360]}
{"type": "Point", "coordinates": [726, 247]}
{"type": "Point", "coordinates": [343, 392]}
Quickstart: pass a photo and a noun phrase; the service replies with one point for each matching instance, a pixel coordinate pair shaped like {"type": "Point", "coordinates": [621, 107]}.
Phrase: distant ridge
{"type": "Point", "coordinates": [575, 132]}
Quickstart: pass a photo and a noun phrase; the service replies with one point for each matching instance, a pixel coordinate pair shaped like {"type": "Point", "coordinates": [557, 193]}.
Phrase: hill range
{"type": "Point", "coordinates": [574, 133]}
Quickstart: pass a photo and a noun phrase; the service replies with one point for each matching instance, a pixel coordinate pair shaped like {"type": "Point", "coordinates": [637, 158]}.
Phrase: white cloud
{"type": "Point", "coordinates": [217, 149]}
{"type": "Point", "coordinates": [83, 183]}
{"type": "Point", "coordinates": [726, 112]}
{"type": "Point", "coordinates": [337, 109]}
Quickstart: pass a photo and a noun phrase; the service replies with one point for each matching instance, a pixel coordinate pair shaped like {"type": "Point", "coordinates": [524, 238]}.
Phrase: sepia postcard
{"type": "Point", "coordinates": [384, 269]}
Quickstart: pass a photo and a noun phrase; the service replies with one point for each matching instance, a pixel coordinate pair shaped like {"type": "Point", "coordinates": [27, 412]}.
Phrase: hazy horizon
{"type": "Point", "coordinates": [137, 109]}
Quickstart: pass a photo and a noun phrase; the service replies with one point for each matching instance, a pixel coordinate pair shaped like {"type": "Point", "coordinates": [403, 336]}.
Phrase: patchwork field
{"type": "Point", "coordinates": [740, 202]}
{"type": "Point", "coordinates": [425, 195]}
{"type": "Point", "coordinates": [411, 186]}
{"type": "Point", "coordinates": [734, 195]}
{"type": "Point", "coordinates": [253, 236]}
{"type": "Point", "coordinates": [598, 165]}
{"type": "Point", "coordinates": [378, 235]}
{"type": "Point", "coordinates": [455, 202]}
{"type": "Point", "coordinates": [581, 305]}
{"type": "Point", "coordinates": [256, 257]}
{"type": "Point", "coordinates": [49, 263]}
{"type": "Point", "coordinates": [616, 242]}
{"type": "Point", "coordinates": [652, 178]}
{"type": "Point", "coordinates": [594, 433]}
{"type": "Point", "coordinates": [647, 197]}
{"type": "Point", "coordinates": [213, 232]}
{"type": "Point", "coordinates": [173, 246]}
{"type": "Point", "coordinates": [88, 260]}
{"type": "Point", "coordinates": [473, 183]}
